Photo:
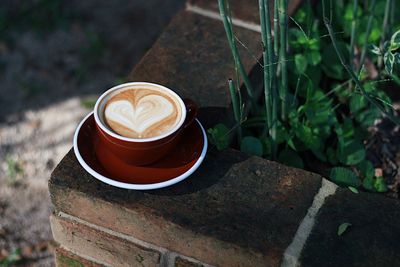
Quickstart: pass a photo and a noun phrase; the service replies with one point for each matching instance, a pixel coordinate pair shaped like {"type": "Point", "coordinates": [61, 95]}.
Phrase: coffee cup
{"type": "Point", "coordinates": [140, 122]}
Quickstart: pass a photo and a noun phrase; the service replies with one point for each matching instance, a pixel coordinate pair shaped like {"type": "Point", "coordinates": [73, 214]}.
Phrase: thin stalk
{"type": "Point", "coordinates": [276, 28]}
{"type": "Point", "coordinates": [392, 13]}
{"type": "Point", "coordinates": [354, 76]}
{"type": "Point", "coordinates": [236, 108]}
{"type": "Point", "coordinates": [235, 101]}
{"type": "Point", "coordinates": [384, 30]}
{"type": "Point", "coordinates": [275, 81]}
{"type": "Point", "coordinates": [283, 57]}
{"type": "Point", "coordinates": [266, 42]}
{"type": "Point", "coordinates": [353, 33]}
{"type": "Point", "coordinates": [274, 147]}
{"type": "Point", "coordinates": [235, 53]}
{"type": "Point", "coordinates": [269, 67]}
{"type": "Point", "coordinates": [367, 34]}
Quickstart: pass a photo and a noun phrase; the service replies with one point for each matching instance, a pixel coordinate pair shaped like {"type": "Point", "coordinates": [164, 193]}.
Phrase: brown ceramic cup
{"type": "Point", "coordinates": [140, 151]}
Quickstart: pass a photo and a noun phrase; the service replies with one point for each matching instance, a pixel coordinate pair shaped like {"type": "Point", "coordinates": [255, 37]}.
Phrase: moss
{"type": "Point", "coordinates": [66, 261]}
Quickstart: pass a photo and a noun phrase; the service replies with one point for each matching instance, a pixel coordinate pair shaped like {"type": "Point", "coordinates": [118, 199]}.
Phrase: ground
{"type": "Point", "coordinates": [56, 57]}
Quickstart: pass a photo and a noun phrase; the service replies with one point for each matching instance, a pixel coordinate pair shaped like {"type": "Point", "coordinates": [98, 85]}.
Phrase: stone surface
{"type": "Point", "coordinates": [179, 262]}
{"type": "Point", "coordinates": [65, 258]}
{"type": "Point", "coordinates": [193, 58]}
{"type": "Point", "coordinates": [372, 240]}
{"type": "Point", "coordinates": [246, 10]}
{"type": "Point", "coordinates": [99, 245]}
{"type": "Point", "coordinates": [233, 211]}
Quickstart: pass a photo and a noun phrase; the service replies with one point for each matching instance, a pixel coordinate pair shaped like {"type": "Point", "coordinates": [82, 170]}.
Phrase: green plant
{"type": "Point", "coordinates": [325, 112]}
{"type": "Point", "coordinates": [343, 228]}
{"type": "Point", "coordinates": [12, 258]}
{"type": "Point", "coordinates": [89, 102]}
{"type": "Point", "coordinates": [13, 169]}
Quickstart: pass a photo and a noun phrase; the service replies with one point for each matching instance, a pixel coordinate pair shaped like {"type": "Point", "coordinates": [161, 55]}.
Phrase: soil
{"type": "Point", "coordinates": [56, 57]}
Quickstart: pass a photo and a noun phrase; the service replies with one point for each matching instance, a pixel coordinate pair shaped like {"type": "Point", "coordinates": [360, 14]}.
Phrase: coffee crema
{"type": "Point", "coordinates": [142, 113]}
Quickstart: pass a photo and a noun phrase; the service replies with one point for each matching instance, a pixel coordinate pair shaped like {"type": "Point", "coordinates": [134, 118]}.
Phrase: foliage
{"type": "Point", "coordinates": [390, 52]}
{"type": "Point", "coordinates": [41, 16]}
{"type": "Point", "coordinates": [332, 98]}
{"type": "Point", "coordinates": [13, 169]}
{"type": "Point", "coordinates": [13, 258]}
{"type": "Point", "coordinates": [342, 228]}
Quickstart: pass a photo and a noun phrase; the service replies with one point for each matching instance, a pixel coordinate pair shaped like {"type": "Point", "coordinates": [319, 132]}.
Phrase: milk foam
{"type": "Point", "coordinates": [141, 113]}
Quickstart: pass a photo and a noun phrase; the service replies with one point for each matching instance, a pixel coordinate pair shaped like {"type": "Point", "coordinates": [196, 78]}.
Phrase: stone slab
{"type": "Point", "coordinates": [193, 58]}
{"type": "Point", "coordinates": [180, 262]}
{"type": "Point", "coordinates": [99, 245]}
{"type": "Point", "coordinates": [373, 240]}
{"type": "Point", "coordinates": [64, 258]}
{"type": "Point", "coordinates": [233, 211]}
{"type": "Point", "coordinates": [245, 10]}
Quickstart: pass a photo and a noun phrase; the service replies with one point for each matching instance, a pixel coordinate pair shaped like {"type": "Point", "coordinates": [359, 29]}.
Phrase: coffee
{"type": "Point", "coordinates": [142, 112]}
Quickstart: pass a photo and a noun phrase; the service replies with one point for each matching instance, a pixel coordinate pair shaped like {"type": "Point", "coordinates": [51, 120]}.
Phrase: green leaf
{"type": "Point", "coordinates": [353, 189]}
{"type": "Point", "coordinates": [301, 63]}
{"type": "Point", "coordinates": [357, 102]}
{"type": "Point", "coordinates": [314, 57]}
{"type": "Point", "coordinates": [305, 134]}
{"type": "Point", "coordinates": [368, 183]}
{"type": "Point", "coordinates": [291, 158]}
{"type": "Point", "coordinates": [366, 168]}
{"type": "Point", "coordinates": [368, 116]}
{"type": "Point", "coordinates": [342, 228]}
{"type": "Point", "coordinates": [351, 153]}
{"type": "Point", "coordinates": [380, 185]}
{"type": "Point", "coordinates": [252, 146]}
{"type": "Point", "coordinates": [88, 103]}
{"type": "Point", "coordinates": [219, 136]}
{"type": "Point", "coordinates": [389, 61]}
{"type": "Point", "coordinates": [331, 155]}
{"type": "Point", "coordinates": [375, 50]}
{"type": "Point", "coordinates": [395, 41]}
{"type": "Point", "coordinates": [331, 63]}
{"type": "Point", "coordinates": [397, 59]}
{"type": "Point", "coordinates": [13, 258]}
{"type": "Point", "coordinates": [344, 177]}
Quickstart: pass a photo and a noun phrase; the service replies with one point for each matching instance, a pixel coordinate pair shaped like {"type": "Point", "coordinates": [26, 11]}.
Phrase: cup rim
{"type": "Point", "coordinates": [135, 84]}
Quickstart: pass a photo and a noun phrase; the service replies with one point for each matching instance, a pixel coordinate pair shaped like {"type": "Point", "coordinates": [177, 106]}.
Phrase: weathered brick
{"type": "Point", "coordinates": [100, 245]}
{"type": "Point", "coordinates": [65, 258]}
{"type": "Point", "coordinates": [371, 241]}
{"type": "Point", "coordinates": [234, 211]}
{"type": "Point", "coordinates": [193, 58]}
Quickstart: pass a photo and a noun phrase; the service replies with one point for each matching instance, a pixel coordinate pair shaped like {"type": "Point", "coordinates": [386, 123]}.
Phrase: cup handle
{"type": "Point", "coordinates": [191, 112]}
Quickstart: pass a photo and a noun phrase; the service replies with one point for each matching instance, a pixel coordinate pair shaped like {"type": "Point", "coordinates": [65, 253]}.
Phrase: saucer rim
{"type": "Point", "coordinates": [131, 186]}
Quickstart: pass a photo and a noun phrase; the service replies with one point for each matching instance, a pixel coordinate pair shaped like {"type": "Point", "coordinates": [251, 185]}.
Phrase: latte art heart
{"type": "Point", "coordinates": [141, 114]}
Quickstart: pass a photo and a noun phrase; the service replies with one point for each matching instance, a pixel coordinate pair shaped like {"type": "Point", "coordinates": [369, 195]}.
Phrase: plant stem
{"type": "Point", "coordinates": [282, 59]}
{"type": "Point", "coordinates": [392, 13]}
{"type": "Point", "coordinates": [266, 42]}
{"type": "Point", "coordinates": [235, 53]}
{"type": "Point", "coordinates": [353, 75]}
{"type": "Point", "coordinates": [269, 72]}
{"type": "Point", "coordinates": [384, 30]}
{"type": "Point", "coordinates": [367, 33]}
{"type": "Point", "coordinates": [235, 103]}
{"type": "Point", "coordinates": [276, 28]}
{"type": "Point", "coordinates": [236, 108]}
{"type": "Point", "coordinates": [353, 33]}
